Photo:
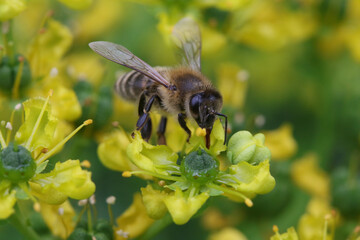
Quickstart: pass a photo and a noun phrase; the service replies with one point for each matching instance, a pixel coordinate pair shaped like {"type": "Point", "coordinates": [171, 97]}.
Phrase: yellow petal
{"type": "Point", "coordinates": [86, 66]}
{"type": "Point", "coordinates": [49, 47]}
{"type": "Point", "coordinates": [281, 142]}
{"type": "Point", "coordinates": [61, 225]}
{"type": "Point", "coordinates": [88, 26]}
{"type": "Point", "coordinates": [182, 208]}
{"type": "Point", "coordinates": [68, 178]}
{"type": "Point", "coordinates": [77, 4]}
{"type": "Point", "coordinates": [309, 176]}
{"type": "Point", "coordinates": [311, 224]}
{"type": "Point", "coordinates": [11, 8]}
{"type": "Point", "coordinates": [269, 26]}
{"type": "Point", "coordinates": [213, 41]}
{"type": "Point", "coordinates": [48, 194]}
{"type": "Point", "coordinates": [290, 234]}
{"type": "Point", "coordinates": [227, 234]}
{"type": "Point", "coordinates": [112, 152]}
{"type": "Point", "coordinates": [43, 137]}
{"type": "Point", "coordinates": [7, 199]}
{"type": "Point", "coordinates": [134, 220]}
{"type": "Point", "coordinates": [216, 140]}
{"type": "Point", "coordinates": [153, 202]}
{"type": "Point", "coordinates": [159, 159]}
{"type": "Point", "coordinates": [232, 79]}
{"type": "Point", "coordinates": [252, 179]}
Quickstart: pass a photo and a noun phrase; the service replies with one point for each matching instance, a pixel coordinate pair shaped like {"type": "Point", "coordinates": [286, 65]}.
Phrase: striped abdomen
{"type": "Point", "coordinates": [131, 85]}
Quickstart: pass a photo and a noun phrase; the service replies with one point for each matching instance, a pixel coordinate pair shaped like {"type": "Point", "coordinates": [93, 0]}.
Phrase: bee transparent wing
{"type": "Point", "coordinates": [123, 56]}
{"type": "Point", "coordinates": [187, 37]}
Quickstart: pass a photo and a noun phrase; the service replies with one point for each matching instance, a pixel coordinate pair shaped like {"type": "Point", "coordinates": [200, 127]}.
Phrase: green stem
{"type": "Point", "coordinates": [19, 223]}
{"type": "Point", "coordinates": [157, 227]}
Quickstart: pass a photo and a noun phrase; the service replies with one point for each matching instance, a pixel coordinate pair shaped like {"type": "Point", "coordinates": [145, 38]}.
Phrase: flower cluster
{"type": "Point", "coordinates": [24, 171]}
{"type": "Point", "coordinates": [187, 179]}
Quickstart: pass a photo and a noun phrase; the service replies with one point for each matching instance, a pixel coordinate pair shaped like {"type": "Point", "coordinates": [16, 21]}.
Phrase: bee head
{"type": "Point", "coordinates": [204, 106]}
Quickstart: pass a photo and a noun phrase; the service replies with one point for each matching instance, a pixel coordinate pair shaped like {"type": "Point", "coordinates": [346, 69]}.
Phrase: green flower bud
{"type": "Point", "coordinates": [80, 234]}
{"type": "Point", "coordinates": [104, 228]}
{"type": "Point", "coordinates": [101, 236]}
{"type": "Point", "coordinates": [199, 167]}
{"type": "Point", "coordinates": [104, 106]}
{"type": "Point", "coordinates": [6, 80]}
{"type": "Point", "coordinates": [16, 163]}
{"type": "Point", "coordinates": [243, 146]}
{"type": "Point", "coordinates": [345, 193]}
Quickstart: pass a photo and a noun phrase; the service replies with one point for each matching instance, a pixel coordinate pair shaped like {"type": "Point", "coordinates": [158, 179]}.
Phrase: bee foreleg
{"type": "Point", "coordinates": [182, 122]}
{"type": "Point", "coordinates": [161, 131]}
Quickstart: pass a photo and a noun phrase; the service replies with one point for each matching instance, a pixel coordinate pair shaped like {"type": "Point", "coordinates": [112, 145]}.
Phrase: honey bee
{"type": "Point", "coordinates": [181, 91]}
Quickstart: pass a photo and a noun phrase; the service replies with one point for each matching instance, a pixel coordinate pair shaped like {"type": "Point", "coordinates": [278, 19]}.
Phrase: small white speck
{"type": "Point", "coordinates": [8, 126]}
{"type": "Point", "coordinates": [239, 118]}
{"type": "Point", "coordinates": [242, 75]}
{"type": "Point", "coordinates": [54, 72]}
{"type": "Point", "coordinates": [121, 233]}
{"type": "Point", "coordinates": [83, 202]}
{"type": "Point", "coordinates": [260, 120]}
{"type": "Point", "coordinates": [111, 200]}
{"type": "Point", "coordinates": [61, 211]}
{"type": "Point", "coordinates": [92, 199]}
{"type": "Point", "coordinates": [18, 106]}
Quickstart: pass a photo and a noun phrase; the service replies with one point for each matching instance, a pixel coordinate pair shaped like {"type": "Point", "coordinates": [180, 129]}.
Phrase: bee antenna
{"type": "Point", "coordinates": [226, 123]}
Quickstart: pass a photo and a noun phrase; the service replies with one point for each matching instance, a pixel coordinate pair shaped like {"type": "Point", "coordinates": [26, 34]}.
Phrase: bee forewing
{"type": "Point", "coordinates": [187, 37]}
{"type": "Point", "coordinates": [123, 56]}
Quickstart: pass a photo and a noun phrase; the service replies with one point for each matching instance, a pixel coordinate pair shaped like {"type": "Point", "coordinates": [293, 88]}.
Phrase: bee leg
{"type": "Point", "coordinates": [181, 119]}
{"type": "Point", "coordinates": [146, 130]}
{"type": "Point", "coordinates": [144, 115]}
{"type": "Point", "coordinates": [161, 131]}
{"type": "Point", "coordinates": [144, 123]}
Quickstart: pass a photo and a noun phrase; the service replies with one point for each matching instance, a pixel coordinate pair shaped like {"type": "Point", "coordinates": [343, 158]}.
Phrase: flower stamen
{"type": "Point", "coordinates": [247, 200]}
{"type": "Point", "coordinates": [15, 89]}
{"type": "Point", "coordinates": [62, 142]}
{"type": "Point", "coordinates": [171, 178]}
{"type": "Point", "coordinates": [30, 139]}
{"type": "Point", "coordinates": [2, 141]}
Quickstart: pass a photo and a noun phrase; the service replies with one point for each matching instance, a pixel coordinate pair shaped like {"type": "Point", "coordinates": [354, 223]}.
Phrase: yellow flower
{"type": "Point", "coordinates": [87, 24]}
{"type": "Point", "coordinates": [184, 187]}
{"type": "Point", "coordinates": [34, 145]}
{"type": "Point", "coordinates": [290, 234]}
{"type": "Point", "coordinates": [227, 234]}
{"type": "Point", "coordinates": [134, 220]}
{"type": "Point", "coordinates": [11, 8]}
{"type": "Point", "coordinates": [183, 208]}
{"type": "Point", "coordinates": [317, 218]}
{"type": "Point", "coordinates": [59, 218]}
{"type": "Point", "coordinates": [64, 102]}
{"type": "Point", "coordinates": [309, 176]}
{"type": "Point", "coordinates": [154, 202]}
{"type": "Point", "coordinates": [269, 26]}
{"type": "Point", "coordinates": [281, 142]}
{"type": "Point", "coordinates": [232, 79]}
{"type": "Point", "coordinates": [112, 151]}
{"type": "Point", "coordinates": [49, 47]}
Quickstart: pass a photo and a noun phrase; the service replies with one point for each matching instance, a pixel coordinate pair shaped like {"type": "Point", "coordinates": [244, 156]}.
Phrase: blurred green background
{"type": "Point", "coordinates": [301, 60]}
